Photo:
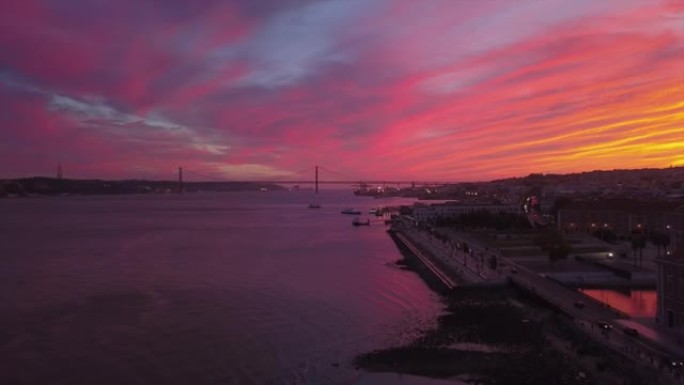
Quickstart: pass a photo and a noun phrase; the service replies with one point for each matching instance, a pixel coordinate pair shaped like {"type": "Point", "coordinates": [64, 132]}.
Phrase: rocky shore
{"type": "Point", "coordinates": [500, 336]}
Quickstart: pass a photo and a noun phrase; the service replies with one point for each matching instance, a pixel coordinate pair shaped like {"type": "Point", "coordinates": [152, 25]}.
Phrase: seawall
{"type": "Point", "coordinates": [422, 264]}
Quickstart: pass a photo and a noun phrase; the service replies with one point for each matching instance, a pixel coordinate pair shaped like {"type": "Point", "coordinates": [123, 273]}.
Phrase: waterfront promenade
{"type": "Point", "coordinates": [597, 320]}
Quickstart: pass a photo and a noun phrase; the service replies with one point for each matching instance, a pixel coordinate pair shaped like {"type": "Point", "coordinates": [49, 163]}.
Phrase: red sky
{"type": "Point", "coordinates": [386, 89]}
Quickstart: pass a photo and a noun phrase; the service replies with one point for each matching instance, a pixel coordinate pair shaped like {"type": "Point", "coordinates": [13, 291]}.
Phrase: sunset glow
{"type": "Point", "coordinates": [406, 90]}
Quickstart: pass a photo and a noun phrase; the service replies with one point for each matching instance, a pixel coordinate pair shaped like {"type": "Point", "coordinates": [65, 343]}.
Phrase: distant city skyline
{"type": "Point", "coordinates": [257, 90]}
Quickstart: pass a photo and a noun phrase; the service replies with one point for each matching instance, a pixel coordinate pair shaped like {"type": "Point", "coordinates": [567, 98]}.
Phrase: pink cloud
{"type": "Point", "coordinates": [443, 90]}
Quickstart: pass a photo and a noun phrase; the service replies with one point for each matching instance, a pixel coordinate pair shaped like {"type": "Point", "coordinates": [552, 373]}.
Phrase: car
{"type": "Point", "coordinates": [676, 364]}
{"type": "Point", "coordinates": [631, 332]}
{"type": "Point", "coordinates": [579, 304]}
{"type": "Point", "coordinates": [604, 325]}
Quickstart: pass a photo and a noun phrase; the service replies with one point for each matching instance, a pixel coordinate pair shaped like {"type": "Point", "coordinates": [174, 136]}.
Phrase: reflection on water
{"type": "Point", "coordinates": [636, 303]}
{"type": "Point", "coordinates": [199, 289]}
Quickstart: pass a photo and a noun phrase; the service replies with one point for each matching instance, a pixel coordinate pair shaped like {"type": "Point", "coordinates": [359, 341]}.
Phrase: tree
{"type": "Point", "coordinates": [554, 243]}
{"type": "Point", "coordinates": [605, 235]}
{"type": "Point", "coordinates": [493, 262]}
{"type": "Point", "coordinates": [560, 203]}
{"type": "Point", "coordinates": [660, 239]}
{"type": "Point", "coordinates": [638, 244]}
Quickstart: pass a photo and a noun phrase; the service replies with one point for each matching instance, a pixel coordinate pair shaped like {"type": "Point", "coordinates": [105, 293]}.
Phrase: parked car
{"type": "Point", "coordinates": [631, 332]}
{"type": "Point", "coordinates": [579, 304]}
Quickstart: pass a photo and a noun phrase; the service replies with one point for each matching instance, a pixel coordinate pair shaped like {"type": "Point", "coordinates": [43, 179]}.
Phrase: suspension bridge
{"type": "Point", "coordinates": [299, 177]}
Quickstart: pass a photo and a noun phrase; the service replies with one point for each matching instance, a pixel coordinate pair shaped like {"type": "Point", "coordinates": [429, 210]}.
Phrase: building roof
{"type": "Point", "coordinates": [625, 204]}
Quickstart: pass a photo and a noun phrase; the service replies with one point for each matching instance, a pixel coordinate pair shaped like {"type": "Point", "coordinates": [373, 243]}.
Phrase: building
{"type": "Point", "coordinates": [674, 223]}
{"type": "Point", "coordinates": [671, 276]}
{"type": "Point", "coordinates": [428, 213]}
{"type": "Point", "coordinates": [589, 220]}
{"type": "Point", "coordinates": [671, 293]}
{"type": "Point", "coordinates": [621, 216]}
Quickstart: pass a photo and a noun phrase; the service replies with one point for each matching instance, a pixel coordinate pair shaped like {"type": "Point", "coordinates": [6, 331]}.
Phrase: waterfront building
{"type": "Point", "coordinates": [671, 276]}
{"type": "Point", "coordinates": [671, 292]}
{"type": "Point", "coordinates": [621, 216]}
{"type": "Point", "coordinates": [674, 224]}
{"type": "Point", "coordinates": [428, 213]}
{"type": "Point", "coordinates": [588, 220]}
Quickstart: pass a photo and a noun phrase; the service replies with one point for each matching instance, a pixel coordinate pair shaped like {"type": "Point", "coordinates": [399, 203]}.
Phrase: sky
{"type": "Point", "coordinates": [447, 90]}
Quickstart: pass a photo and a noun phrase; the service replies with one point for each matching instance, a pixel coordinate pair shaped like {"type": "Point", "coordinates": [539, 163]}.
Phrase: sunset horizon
{"type": "Point", "coordinates": [443, 90]}
{"type": "Point", "coordinates": [300, 177]}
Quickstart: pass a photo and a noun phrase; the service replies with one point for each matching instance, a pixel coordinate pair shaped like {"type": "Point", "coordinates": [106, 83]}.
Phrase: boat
{"type": "Point", "coordinates": [351, 211]}
{"type": "Point", "coordinates": [373, 211]}
{"type": "Point", "coordinates": [359, 222]}
{"type": "Point", "coordinates": [314, 206]}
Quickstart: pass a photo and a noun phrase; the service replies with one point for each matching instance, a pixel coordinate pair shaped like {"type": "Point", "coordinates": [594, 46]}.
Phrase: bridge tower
{"type": "Point", "coordinates": [316, 181]}
{"type": "Point", "coordinates": [180, 179]}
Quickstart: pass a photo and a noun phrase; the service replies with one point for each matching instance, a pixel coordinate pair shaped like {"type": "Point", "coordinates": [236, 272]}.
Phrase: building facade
{"type": "Point", "coordinates": [671, 293]}
{"type": "Point", "coordinates": [622, 217]}
{"type": "Point", "coordinates": [429, 213]}
{"type": "Point", "coordinates": [674, 223]}
{"type": "Point", "coordinates": [671, 276]}
{"type": "Point", "coordinates": [583, 220]}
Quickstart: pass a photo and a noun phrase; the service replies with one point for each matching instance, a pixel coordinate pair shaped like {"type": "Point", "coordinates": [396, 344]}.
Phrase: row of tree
{"type": "Point", "coordinates": [485, 219]}
{"type": "Point", "coordinates": [661, 240]}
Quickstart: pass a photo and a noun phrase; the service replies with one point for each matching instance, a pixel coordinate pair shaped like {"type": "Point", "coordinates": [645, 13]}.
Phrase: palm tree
{"type": "Point", "coordinates": [638, 243]}
{"type": "Point", "coordinates": [660, 239]}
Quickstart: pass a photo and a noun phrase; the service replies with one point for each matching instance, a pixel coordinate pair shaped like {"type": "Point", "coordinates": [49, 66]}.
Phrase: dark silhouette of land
{"type": "Point", "coordinates": [56, 186]}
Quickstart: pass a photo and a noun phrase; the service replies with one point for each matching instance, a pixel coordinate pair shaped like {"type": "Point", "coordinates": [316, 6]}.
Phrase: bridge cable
{"type": "Point", "coordinates": [337, 173]}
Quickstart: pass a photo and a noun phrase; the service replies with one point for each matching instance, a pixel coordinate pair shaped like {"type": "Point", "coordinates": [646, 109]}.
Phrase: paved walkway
{"type": "Point", "coordinates": [444, 257]}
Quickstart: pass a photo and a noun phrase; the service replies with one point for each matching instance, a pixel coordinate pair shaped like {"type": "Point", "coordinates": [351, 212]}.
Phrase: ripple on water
{"type": "Point", "coordinates": [201, 289]}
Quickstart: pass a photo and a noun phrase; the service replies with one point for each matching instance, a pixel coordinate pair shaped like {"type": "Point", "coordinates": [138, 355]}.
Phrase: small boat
{"type": "Point", "coordinates": [351, 211]}
{"type": "Point", "coordinates": [358, 222]}
{"type": "Point", "coordinates": [373, 211]}
{"type": "Point", "coordinates": [314, 206]}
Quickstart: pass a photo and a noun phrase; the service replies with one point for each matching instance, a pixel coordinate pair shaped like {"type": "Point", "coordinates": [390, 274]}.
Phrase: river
{"type": "Point", "coordinates": [232, 288]}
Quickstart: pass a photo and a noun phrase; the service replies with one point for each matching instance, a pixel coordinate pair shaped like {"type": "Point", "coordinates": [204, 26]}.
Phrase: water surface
{"type": "Point", "coordinates": [235, 288]}
{"type": "Point", "coordinates": [637, 303]}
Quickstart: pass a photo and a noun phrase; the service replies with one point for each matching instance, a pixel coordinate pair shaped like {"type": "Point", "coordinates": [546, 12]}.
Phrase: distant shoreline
{"type": "Point", "coordinates": [42, 186]}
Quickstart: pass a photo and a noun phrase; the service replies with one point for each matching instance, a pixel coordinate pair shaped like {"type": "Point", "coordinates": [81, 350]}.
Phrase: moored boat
{"type": "Point", "coordinates": [351, 211]}
{"type": "Point", "coordinates": [359, 222]}
{"type": "Point", "coordinates": [314, 206]}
